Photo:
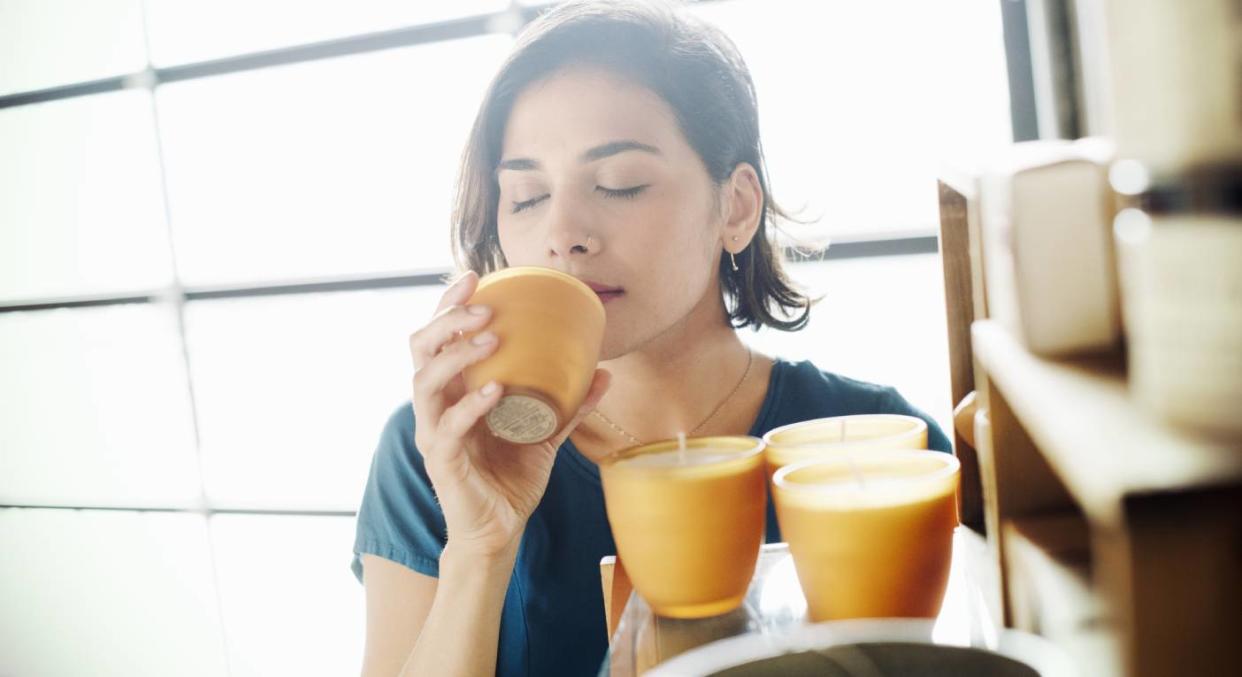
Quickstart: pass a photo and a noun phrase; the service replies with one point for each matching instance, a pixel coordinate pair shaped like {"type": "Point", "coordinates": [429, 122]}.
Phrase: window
{"type": "Point", "coordinates": [322, 373]}
{"type": "Point", "coordinates": [108, 593]}
{"type": "Point", "coordinates": [287, 608]}
{"type": "Point", "coordinates": [96, 409]}
{"type": "Point", "coordinates": [860, 102]}
{"type": "Point", "coordinates": [184, 32]}
{"type": "Point", "coordinates": [49, 43]}
{"type": "Point", "coordinates": [80, 202]}
{"type": "Point", "coordinates": [343, 166]}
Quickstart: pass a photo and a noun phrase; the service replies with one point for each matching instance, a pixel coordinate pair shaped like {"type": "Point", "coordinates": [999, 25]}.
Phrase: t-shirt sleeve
{"type": "Point", "coordinates": [894, 403]}
{"type": "Point", "coordinates": [399, 519]}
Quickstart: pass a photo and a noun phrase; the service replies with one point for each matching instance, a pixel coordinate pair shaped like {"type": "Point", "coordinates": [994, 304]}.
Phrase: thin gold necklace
{"type": "Point", "coordinates": [750, 360]}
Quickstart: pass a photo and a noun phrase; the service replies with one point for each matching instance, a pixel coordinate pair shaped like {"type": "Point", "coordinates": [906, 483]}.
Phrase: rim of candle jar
{"type": "Point", "coordinates": [842, 487]}
{"type": "Point", "coordinates": [919, 426]}
{"type": "Point", "coordinates": [749, 451]}
{"type": "Point", "coordinates": [521, 271]}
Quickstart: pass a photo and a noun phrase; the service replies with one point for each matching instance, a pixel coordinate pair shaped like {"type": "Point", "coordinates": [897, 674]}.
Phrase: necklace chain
{"type": "Point", "coordinates": [750, 359]}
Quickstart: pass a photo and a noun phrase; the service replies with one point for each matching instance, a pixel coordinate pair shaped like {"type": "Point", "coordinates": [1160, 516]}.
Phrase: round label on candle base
{"type": "Point", "coordinates": [523, 418]}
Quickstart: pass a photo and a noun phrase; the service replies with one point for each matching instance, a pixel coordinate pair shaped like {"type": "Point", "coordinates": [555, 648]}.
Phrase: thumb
{"type": "Point", "coordinates": [599, 386]}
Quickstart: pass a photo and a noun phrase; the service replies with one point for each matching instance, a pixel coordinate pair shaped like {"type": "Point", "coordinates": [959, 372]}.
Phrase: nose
{"type": "Point", "coordinates": [567, 234]}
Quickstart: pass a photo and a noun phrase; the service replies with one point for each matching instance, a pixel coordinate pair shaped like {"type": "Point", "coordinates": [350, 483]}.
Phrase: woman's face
{"type": "Point", "coordinates": [597, 180]}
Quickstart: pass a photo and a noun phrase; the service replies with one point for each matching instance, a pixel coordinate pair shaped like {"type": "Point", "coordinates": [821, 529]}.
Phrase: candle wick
{"type": "Point", "coordinates": [681, 448]}
{"type": "Point", "coordinates": [856, 471]}
{"type": "Point", "coordinates": [849, 456]}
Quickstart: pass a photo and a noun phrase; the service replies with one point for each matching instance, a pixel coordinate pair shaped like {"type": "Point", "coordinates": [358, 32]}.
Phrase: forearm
{"type": "Point", "coordinates": [462, 629]}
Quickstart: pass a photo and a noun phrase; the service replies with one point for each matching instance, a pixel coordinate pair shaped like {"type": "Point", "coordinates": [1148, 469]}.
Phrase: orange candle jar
{"type": "Point", "coordinates": [871, 535]}
{"type": "Point", "coordinates": [822, 437]}
{"type": "Point", "coordinates": [688, 522]}
{"type": "Point", "coordinates": [551, 329]}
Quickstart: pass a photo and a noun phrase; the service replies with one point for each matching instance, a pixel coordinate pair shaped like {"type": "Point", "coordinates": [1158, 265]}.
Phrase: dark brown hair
{"type": "Point", "coordinates": [697, 71]}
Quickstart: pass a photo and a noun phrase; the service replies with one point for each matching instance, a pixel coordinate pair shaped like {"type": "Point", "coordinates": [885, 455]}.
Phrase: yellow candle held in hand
{"type": "Point", "coordinates": [871, 534]}
{"type": "Point", "coordinates": [688, 521]}
{"type": "Point", "coordinates": [551, 328]}
{"type": "Point", "coordinates": [817, 438]}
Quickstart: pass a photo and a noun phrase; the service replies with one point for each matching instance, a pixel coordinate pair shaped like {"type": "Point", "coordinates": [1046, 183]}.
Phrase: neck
{"type": "Point", "coordinates": [672, 382]}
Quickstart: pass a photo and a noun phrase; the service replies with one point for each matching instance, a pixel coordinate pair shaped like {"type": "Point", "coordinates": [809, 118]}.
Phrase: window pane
{"type": "Point", "coordinates": [860, 102]}
{"type": "Point", "coordinates": [343, 166]}
{"type": "Point", "coordinates": [107, 593]}
{"type": "Point", "coordinates": [290, 604]}
{"type": "Point", "coordinates": [45, 43]}
{"type": "Point", "coordinates": [182, 31]}
{"type": "Point", "coordinates": [881, 320]}
{"type": "Point", "coordinates": [80, 204]}
{"type": "Point", "coordinates": [94, 409]}
{"type": "Point", "coordinates": [293, 391]}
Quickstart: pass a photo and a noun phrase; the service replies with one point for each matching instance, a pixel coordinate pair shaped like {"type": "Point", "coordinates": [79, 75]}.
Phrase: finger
{"type": "Point", "coordinates": [444, 329]}
{"type": "Point", "coordinates": [459, 292]}
{"type": "Point", "coordinates": [430, 381]}
{"type": "Point", "coordinates": [599, 386]}
{"type": "Point", "coordinates": [460, 418]}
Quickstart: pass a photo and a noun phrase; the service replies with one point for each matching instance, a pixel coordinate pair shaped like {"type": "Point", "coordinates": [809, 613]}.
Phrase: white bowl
{"type": "Point", "coordinates": [1038, 654]}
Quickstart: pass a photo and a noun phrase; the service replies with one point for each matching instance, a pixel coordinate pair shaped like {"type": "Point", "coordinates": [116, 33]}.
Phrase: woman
{"type": "Point", "coordinates": [619, 143]}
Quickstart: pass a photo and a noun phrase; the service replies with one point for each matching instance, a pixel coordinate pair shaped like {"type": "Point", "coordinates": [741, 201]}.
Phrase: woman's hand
{"type": "Point", "coordinates": [487, 487]}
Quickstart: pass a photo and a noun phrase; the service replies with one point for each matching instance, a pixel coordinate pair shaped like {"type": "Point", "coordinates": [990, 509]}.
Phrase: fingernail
{"type": "Point", "coordinates": [483, 339]}
{"type": "Point", "coordinates": [478, 310]}
{"type": "Point", "coordinates": [488, 389]}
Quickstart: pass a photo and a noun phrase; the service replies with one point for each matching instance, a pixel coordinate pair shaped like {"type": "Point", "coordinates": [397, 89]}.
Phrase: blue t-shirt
{"type": "Point", "coordinates": [553, 617]}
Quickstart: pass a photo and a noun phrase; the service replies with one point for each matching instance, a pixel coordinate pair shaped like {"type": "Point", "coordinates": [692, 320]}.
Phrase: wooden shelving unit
{"type": "Point", "coordinates": [1161, 510]}
{"type": "Point", "coordinates": [1130, 528]}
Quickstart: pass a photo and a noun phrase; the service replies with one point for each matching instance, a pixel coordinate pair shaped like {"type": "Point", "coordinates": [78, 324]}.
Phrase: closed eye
{"type": "Point", "coordinates": [623, 193]}
{"type": "Point", "coordinates": [527, 204]}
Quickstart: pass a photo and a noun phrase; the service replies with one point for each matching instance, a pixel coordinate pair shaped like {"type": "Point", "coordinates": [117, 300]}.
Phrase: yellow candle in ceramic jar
{"type": "Point", "coordinates": [551, 328]}
{"type": "Point", "coordinates": [688, 521]}
{"type": "Point", "coordinates": [807, 440]}
{"type": "Point", "coordinates": [871, 534]}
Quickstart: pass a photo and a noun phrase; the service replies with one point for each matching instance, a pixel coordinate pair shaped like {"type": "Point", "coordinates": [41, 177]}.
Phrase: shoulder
{"type": "Point", "coordinates": [395, 448]}
{"type": "Point", "coordinates": [398, 431]}
{"type": "Point", "coordinates": [834, 394]}
{"type": "Point", "coordinates": [399, 518]}
{"type": "Point", "coordinates": [397, 458]}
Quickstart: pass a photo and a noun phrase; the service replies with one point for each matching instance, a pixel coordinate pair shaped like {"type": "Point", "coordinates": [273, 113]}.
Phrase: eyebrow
{"type": "Point", "coordinates": [597, 153]}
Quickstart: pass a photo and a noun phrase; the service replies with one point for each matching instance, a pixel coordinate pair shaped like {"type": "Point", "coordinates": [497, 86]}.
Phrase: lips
{"type": "Point", "coordinates": [605, 292]}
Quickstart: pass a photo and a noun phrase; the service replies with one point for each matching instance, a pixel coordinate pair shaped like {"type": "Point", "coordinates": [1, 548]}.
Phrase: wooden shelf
{"type": "Point", "coordinates": [1048, 564]}
{"type": "Point", "coordinates": [961, 177]}
{"type": "Point", "coordinates": [1095, 438]}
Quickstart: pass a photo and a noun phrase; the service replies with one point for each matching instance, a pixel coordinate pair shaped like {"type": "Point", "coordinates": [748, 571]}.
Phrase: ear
{"type": "Point", "coordinates": [743, 201]}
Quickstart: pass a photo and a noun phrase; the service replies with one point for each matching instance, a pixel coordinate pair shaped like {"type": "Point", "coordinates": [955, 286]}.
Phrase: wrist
{"type": "Point", "coordinates": [479, 559]}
